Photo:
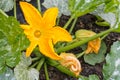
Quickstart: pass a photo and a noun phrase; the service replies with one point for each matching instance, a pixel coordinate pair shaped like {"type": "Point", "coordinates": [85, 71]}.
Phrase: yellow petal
{"type": "Point", "coordinates": [26, 27]}
{"type": "Point", "coordinates": [30, 48]}
{"type": "Point", "coordinates": [49, 17]}
{"type": "Point", "coordinates": [46, 48]}
{"type": "Point", "coordinates": [28, 32]}
{"type": "Point", "coordinates": [60, 34]}
{"type": "Point", "coordinates": [31, 14]}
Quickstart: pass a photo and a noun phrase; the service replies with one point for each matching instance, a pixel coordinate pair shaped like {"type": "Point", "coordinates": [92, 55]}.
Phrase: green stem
{"type": "Point", "coordinates": [36, 58]}
{"type": "Point", "coordinates": [58, 20]}
{"type": "Point", "coordinates": [2, 12]}
{"type": "Point", "coordinates": [71, 28]}
{"type": "Point", "coordinates": [103, 36]}
{"type": "Point", "coordinates": [46, 72]}
{"type": "Point", "coordinates": [40, 64]}
{"type": "Point", "coordinates": [60, 67]}
{"type": "Point", "coordinates": [15, 15]}
{"type": "Point", "coordinates": [39, 5]}
{"type": "Point", "coordinates": [69, 21]}
{"type": "Point", "coordinates": [80, 54]}
{"type": "Point", "coordinates": [76, 44]}
{"type": "Point", "coordinates": [32, 66]}
{"type": "Point", "coordinates": [37, 52]}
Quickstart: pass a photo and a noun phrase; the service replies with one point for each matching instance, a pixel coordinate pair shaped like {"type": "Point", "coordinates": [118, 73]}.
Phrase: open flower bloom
{"type": "Point", "coordinates": [70, 61]}
{"type": "Point", "coordinates": [94, 45]}
{"type": "Point", "coordinates": [41, 30]}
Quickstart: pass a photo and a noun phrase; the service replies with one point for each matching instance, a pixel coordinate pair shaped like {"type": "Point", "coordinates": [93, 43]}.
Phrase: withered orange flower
{"type": "Point", "coordinates": [70, 61]}
{"type": "Point", "coordinates": [93, 46]}
{"type": "Point", "coordinates": [41, 30]}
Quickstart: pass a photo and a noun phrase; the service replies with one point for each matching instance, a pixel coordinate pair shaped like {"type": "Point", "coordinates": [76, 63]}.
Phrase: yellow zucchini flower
{"type": "Point", "coordinates": [42, 30]}
{"type": "Point", "coordinates": [70, 61]}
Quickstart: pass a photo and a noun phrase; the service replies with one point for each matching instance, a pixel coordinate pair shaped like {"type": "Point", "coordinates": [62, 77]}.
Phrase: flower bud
{"type": "Point", "coordinates": [94, 45]}
{"type": "Point", "coordinates": [83, 34]}
{"type": "Point", "coordinates": [70, 61]}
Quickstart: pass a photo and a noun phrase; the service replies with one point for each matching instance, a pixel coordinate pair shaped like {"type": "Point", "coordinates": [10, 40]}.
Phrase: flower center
{"type": "Point", "coordinates": [37, 33]}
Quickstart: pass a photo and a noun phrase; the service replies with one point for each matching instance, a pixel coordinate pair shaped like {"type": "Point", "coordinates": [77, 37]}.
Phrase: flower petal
{"type": "Point", "coordinates": [46, 48]}
{"type": "Point", "coordinates": [50, 16]}
{"type": "Point", "coordinates": [70, 61]}
{"type": "Point", "coordinates": [93, 46]}
{"type": "Point", "coordinates": [28, 31]}
{"type": "Point", "coordinates": [30, 48]}
{"type": "Point", "coordinates": [26, 27]}
{"type": "Point", "coordinates": [31, 14]}
{"type": "Point", "coordinates": [60, 34]}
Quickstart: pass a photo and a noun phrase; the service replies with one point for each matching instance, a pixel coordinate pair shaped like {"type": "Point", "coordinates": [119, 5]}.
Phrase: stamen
{"type": "Point", "coordinates": [37, 33]}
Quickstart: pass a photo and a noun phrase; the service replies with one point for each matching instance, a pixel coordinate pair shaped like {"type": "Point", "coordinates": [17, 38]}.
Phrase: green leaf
{"type": "Point", "coordinates": [93, 58]}
{"type": "Point", "coordinates": [28, 0]}
{"type": "Point", "coordinates": [23, 72]}
{"type": "Point", "coordinates": [82, 7]}
{"type": "Point", "coordinates": [111, 6]}
{"type": "Point", "coordinates": [12, 42]}
{"type": "Point", "coordinates": [111, 70]}
{"type": "Point", "coordinates": [6, 5]}
{"type": "Point", "coordinates": [61, 4]}
{"type": "Point", "coordinates": [7, 75]}
{"type": "Point", "coordinates": [91, 77]}
{"type": "Point", "coordinates": [110, 12]}
{"type": "Point", "coordinates": [109, 17]}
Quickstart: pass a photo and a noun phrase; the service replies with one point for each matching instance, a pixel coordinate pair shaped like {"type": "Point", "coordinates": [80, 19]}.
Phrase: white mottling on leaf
{"type": "Point", "coordinates": [117, 62]}
{"type": "Point", "coordinates": [88, 1]}
{"type": "Point", "coordinates": [118, 48]}
{"type": "Point", "coordinates": [116, 72]}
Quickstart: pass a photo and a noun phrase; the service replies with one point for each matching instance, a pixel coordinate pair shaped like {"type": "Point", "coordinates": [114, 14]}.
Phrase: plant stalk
{"type": "Point", "coordinates": [71, 28]}
{"type": "Point", "coordinates": [58, 20]}
{"type": "Point", "coordinates": [40, 64]}
{"type": "Point", "coordinates": [39, 5]}
{"type": "Point", "coordinates": [32, 66]}
{"type": "Point", "coordinates": [36, 58]}
{"type": "Point", "coordinates": [15, 15]}
{"type": "Point", "coordinates": [79, 43]}
{"type": "Point", "coordinates": [2, 12]}
{"type": "Point", "coordinates": [60, 67]}
{"type": "Point", "coordinates": [80, 54]}
{"type": "Point", "coordinates": [69, 21]}
{"type": "Point", "coordinates": [46, 72]}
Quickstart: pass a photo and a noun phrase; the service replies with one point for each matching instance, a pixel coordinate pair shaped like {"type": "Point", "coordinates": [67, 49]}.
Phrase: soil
{"type": "Point", "coordinates": [84, 22]}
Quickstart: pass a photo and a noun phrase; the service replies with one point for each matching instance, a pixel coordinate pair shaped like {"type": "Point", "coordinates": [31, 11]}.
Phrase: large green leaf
{"type": "Point", "coordinates": [110, 12]}
{"type": "Point", "coordinates": [28, 0]}
{"type": "Point", "coordinates": [12, 42]}
{"type": "Point", "coordinates": [61, 4]}
{"type": "Point", "coordinates": [96, 58]}
{"type": "Point", "coordinates": [111, 70]}
{"type": "Point", "coordinates": [7, 75]}
{"type": "Point", "coordinates": [111, 6]}
{"type": "Point", "coordinates": [6, 5]}
{"type": "Point", "coordinates": [81, 7]}
{"type": "Point", "coordinates": [91, 77]}
{"type": "Point", "coordinates": [23, 72]}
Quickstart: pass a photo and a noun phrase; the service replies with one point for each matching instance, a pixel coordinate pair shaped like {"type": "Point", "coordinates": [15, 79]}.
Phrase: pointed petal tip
{"type": "Point", "coordinates": [56, 58]}
{"type": "Point", "coordinates": [27, 55]}
{"type": "Point", "coordinates": [21, 3]}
